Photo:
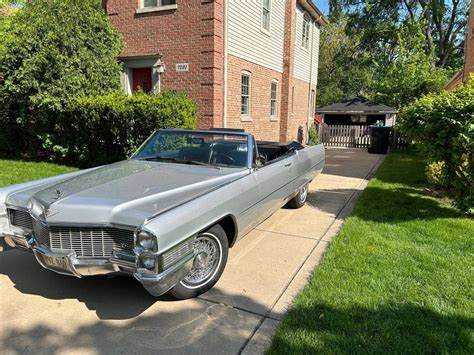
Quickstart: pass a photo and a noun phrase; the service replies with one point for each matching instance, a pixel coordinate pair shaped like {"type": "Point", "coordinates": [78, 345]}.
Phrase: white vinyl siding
{"type": "Point", "coordinates": [316, 34]}
{"type": "Point", "coordinates": [302, 66]}
{"type": "Point", "coordinates": [247, 40]}
{"type": "Point", "coordinates": [245, 93]}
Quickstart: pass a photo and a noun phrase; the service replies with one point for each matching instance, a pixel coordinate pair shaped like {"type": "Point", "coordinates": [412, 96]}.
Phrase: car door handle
{"type": "Point", "coordinates": [287, 165]}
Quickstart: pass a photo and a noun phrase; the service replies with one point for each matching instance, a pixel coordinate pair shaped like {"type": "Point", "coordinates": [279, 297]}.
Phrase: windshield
{"type": "Point", "coordinates": [187, 147]}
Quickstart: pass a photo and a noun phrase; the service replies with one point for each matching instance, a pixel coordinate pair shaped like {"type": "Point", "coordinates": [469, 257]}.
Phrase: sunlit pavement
{"type": "Point", "coordinates": [42, 312]}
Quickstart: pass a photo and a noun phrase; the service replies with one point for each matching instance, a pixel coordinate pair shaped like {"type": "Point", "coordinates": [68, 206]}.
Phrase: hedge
{"type": "Point", "coordinates": [99, 129]}
{"type": "Point", "coordinates": [443, 126]}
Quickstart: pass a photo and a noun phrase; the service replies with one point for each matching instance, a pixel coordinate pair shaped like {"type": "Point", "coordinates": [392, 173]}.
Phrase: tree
{"type": "Point", "coordinates": [6, 12]}
{"type": "Point", "coordinates": [344, 68]}
{"type": "Point", "coordinates": [57, 50]}
{"type": "Point", "coordinates": [378, 21]}
{"type": "Point", "coordinates": [393, 74]}
{"type": "Point", "coordinates": [408, 72]}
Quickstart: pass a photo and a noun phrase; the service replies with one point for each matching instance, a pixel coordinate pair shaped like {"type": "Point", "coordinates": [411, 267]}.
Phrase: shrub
{"type": "Point", "coordinates": [313, 138]}
{"type": "Point", "coordinates": [443, 126]}
{"type": "Point", "coordinates": [57, 50]}
{"type": "Point", "coordinates": [437, 175]}
{"type": "Point", "coordinates": [51, 51]}
{"type": "Point", "coordinates": [102, 129]}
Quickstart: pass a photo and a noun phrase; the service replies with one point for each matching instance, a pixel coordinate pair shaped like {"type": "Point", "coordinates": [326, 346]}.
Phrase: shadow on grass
{"type": "Point", "coordinates": [390, 328]}
{"type": "Point", "coordinates": [403, 167]}
{"type": "Point", "coordinates": [400, 205]}
{"type": "Point", "coordinates": [386, 205]}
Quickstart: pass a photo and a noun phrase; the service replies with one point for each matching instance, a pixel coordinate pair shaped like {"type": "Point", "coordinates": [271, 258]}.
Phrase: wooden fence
{"type": "Point", "coordinates": [354, 136]}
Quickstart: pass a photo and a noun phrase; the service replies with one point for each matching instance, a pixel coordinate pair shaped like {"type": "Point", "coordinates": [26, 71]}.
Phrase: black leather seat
{"type": "Point", "coordinates": [202, 154]}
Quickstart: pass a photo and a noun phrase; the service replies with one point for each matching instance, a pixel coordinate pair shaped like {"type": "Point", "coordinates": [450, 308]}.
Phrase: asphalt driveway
{"type": "Point", "coordinates": [42, 312]}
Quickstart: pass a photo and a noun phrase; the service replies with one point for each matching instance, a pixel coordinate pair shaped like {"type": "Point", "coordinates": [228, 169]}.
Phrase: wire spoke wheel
{"type": "Point", "coordinates": [207, 259]}
{"type": "Point", "coordinates": [303, 193]}
{"type": "Point", "coordinates": [211, 249]}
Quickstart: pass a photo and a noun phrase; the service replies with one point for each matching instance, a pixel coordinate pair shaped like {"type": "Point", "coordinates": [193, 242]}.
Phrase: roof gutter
{"type": "Point", "coordinates": [355, 112]}
{"type": "Point", "coordinates": [314, 11]}
{"type": "Point", "coordinates": [310, 91]}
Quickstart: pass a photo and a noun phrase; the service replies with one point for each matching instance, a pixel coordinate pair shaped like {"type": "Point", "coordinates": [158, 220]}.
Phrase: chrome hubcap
{"type": "Point", "coordinates": [201, 261]}
{"type": "Point", "coordinates": [303, 193]}
{"type": "Point", "coordinates": [207, 258]}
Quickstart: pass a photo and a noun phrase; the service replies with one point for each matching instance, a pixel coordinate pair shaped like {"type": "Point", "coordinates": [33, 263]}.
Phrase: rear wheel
{"type": "Point", "coordinates": [211, 249]}
{"type": "Point", "coordinates": [299, 200]}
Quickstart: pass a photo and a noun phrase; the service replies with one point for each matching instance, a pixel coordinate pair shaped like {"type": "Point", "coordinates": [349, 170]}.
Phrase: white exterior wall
{"type": "Point", "coordinates": [248, 41]}
{"type": "Point", "coordinates": [302, 66]}
{"type": "Point", "coordinates": [390, 119]}
{"type": "Point", "coordinates": [316, 37]}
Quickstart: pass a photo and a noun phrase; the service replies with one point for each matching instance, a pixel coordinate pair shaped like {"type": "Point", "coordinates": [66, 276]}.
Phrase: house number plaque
{"type": "Point", "coordinates": [182, 66]}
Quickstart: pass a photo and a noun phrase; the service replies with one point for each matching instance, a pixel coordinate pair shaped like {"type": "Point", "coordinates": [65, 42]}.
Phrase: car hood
{"type": "Point", "coordinates": [125, 193]}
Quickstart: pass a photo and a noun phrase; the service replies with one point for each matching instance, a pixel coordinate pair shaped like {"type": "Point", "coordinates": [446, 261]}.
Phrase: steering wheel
{"type": "Point", "coordinates": [224, 159]}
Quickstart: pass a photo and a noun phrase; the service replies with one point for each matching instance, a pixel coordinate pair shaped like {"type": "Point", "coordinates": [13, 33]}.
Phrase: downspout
{"type": "Point", "coordinates": [226, 26]}
{"type": "Point", "coordinates": [308, 120]}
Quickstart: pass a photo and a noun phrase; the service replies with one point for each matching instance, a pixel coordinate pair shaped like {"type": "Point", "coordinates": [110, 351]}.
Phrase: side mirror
{"type": "Point", "coordinates": [260, 160]}
{"type": "Point", "coordinates": [292, 151]}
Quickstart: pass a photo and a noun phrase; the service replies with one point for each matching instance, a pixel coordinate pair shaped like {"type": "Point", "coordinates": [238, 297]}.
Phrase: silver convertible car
{"type": "Point", "coordinates": [167, 215]}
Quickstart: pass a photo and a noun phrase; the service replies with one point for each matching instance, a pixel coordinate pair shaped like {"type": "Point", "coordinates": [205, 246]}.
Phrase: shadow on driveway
{"type": "Point", "coordinates": [195, 327]}
{"type": "Point", "coordinates": [124, 318]}
{"type": "Point", "coordinates": [119, 297]}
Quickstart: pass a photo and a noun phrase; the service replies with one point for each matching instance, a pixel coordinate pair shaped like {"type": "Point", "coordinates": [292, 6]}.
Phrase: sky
{"type": "Point", "coordinates": [322, 5]}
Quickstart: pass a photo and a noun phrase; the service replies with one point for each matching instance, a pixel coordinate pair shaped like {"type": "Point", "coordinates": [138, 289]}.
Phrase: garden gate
{"type": "Point", "coordinates": [354, 136]}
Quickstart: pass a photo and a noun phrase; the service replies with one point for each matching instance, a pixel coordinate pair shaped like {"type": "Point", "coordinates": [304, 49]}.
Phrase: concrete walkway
{"type": "Point", "coordinates": [42, 312]}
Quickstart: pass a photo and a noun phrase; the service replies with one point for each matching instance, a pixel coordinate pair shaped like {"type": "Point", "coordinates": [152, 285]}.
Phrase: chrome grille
{"type": "Point", "coordinates": [85, 241]}
{"type": "Point", "coordinates": [90, 241]}
{"type": "Point", "coordinates": [20, 219]}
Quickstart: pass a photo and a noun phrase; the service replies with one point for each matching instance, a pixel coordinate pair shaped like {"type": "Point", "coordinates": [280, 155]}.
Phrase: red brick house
{"type": "Point", "coordinates": [247, 64]}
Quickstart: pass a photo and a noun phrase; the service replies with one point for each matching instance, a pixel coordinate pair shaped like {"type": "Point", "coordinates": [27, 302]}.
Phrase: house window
{"type": "Point", "coordinates": [266, 15]}
{"type": "Point", "coordinates": [305, 33]}
{"type": "Point", "coordinates": [157, 3]}
{"type": "Point", "coordinates": [273, 99]}
{"type": "Point", "coordinates": [245, 94]}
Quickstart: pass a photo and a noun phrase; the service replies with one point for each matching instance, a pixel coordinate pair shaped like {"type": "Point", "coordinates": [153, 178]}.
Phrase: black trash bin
{"type": "Point", "coordinates": [379, 139]}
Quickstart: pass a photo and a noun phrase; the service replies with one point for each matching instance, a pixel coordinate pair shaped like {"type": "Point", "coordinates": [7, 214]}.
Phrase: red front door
{"type": "Point", "coordinates": [142, 79]}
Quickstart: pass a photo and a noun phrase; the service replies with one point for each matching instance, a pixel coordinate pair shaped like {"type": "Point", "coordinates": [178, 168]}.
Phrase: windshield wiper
{"type": "Point", "coordinates": [180, 161]}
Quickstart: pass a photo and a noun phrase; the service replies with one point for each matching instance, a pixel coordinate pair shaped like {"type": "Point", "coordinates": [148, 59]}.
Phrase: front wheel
{"type": "Point", "coordinates": [299, 200]}
{"type": "Point", "coordinates": [211, 249]}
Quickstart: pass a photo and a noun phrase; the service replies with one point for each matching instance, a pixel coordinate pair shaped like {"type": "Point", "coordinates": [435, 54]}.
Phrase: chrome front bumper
{"type": "Point", "coordinates": [67, 263]}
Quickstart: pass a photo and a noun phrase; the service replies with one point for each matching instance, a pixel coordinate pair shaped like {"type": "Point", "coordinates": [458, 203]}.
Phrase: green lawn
{"type": "Point", "coordinates": [399, 277]}
{"type": "Point", "coordinates": [16, 171]}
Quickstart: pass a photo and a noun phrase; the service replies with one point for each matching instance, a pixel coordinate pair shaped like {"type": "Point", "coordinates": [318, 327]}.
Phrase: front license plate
{"type": "Point", "coordinates": [56, 262]}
